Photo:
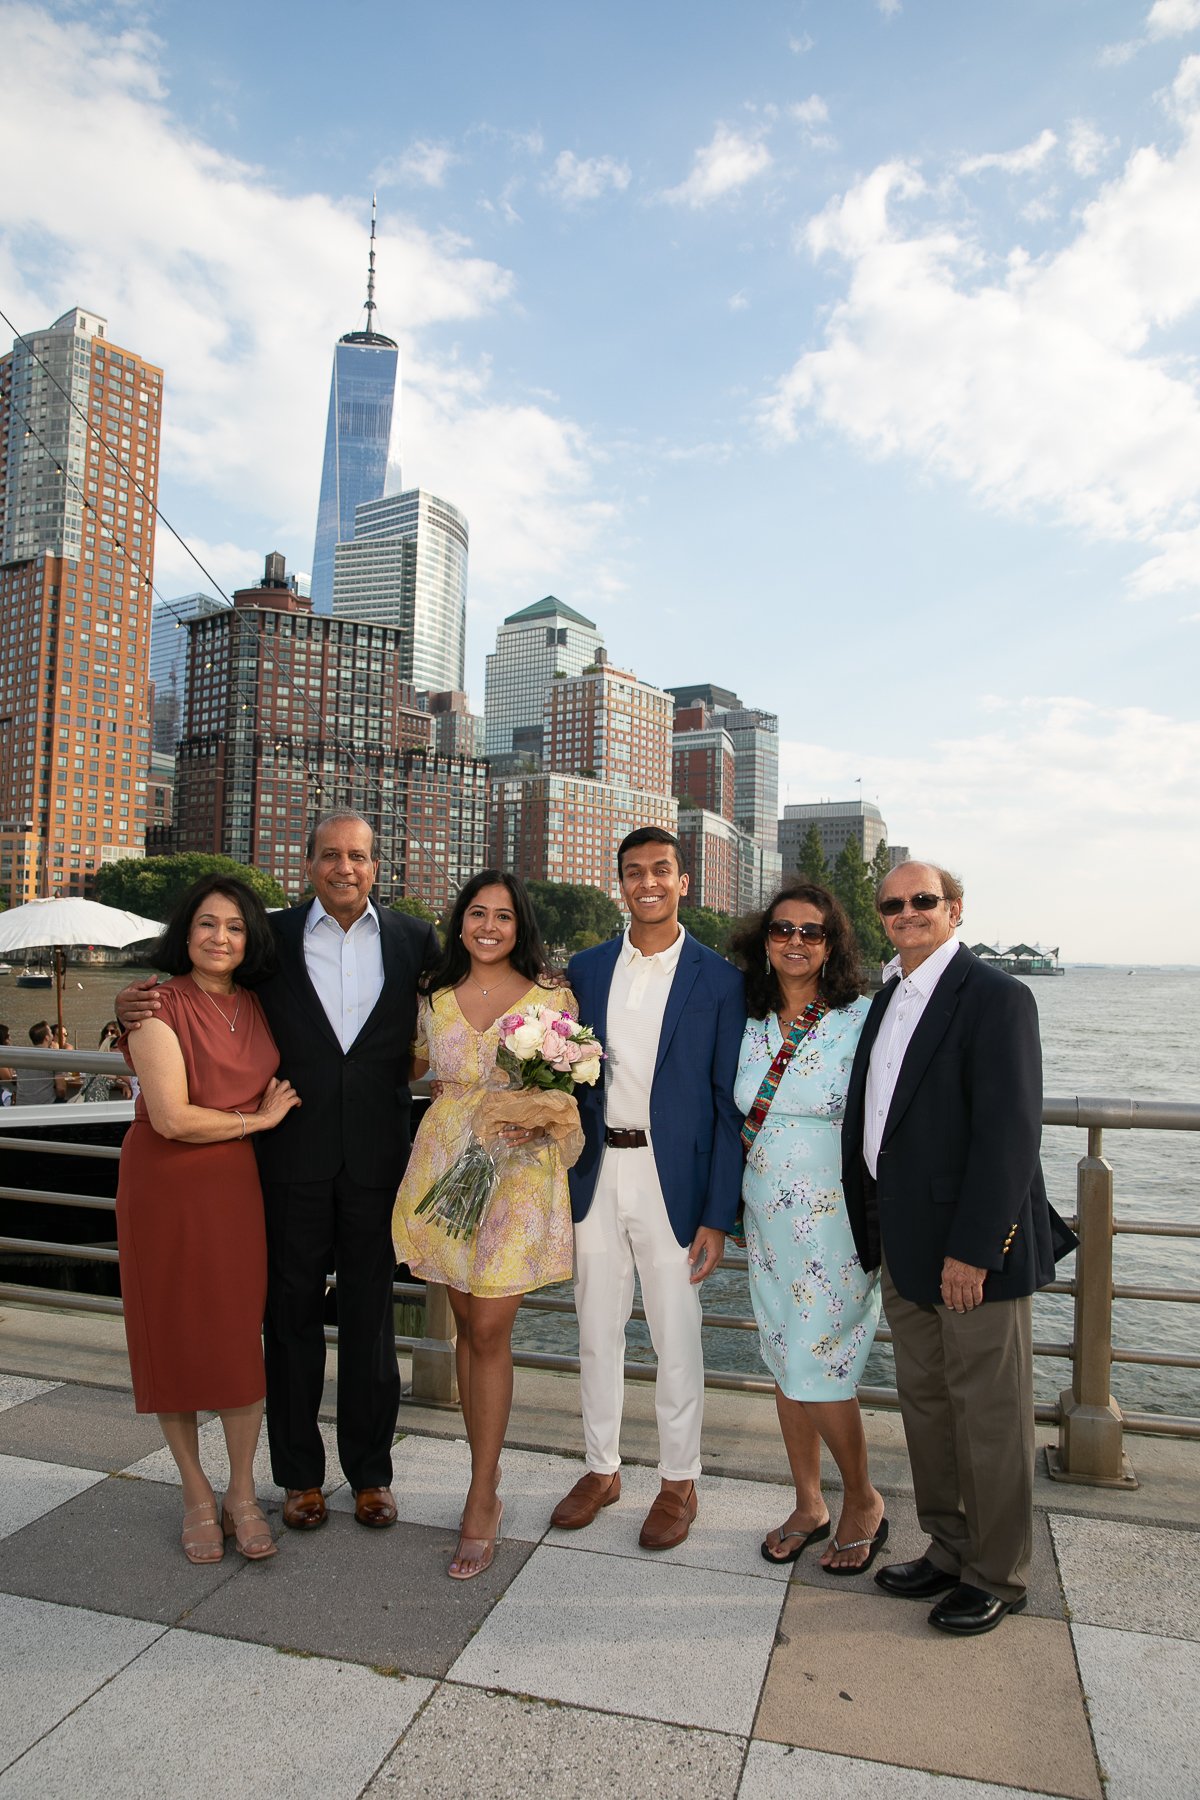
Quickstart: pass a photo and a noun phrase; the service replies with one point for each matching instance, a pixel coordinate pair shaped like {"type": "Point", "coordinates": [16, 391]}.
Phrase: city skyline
{"type": "Point", "coordinates": [875, 316]}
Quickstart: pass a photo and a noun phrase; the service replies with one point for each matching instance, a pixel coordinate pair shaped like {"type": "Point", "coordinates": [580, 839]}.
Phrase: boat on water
{"type": "Point", "coordinates": [1021, 959]}
{"type": "Point", "coordinates": [35, 977]}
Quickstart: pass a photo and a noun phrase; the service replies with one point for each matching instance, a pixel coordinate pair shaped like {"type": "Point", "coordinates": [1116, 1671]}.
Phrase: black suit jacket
{"type": "Point", "coordinates": [355, 1103]}
{"type": "Point", "coordinates": [959, 1172]}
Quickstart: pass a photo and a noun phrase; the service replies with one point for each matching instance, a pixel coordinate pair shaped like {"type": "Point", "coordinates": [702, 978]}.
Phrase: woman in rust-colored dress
{"type": "Point", "coordinates": [189, 1205]}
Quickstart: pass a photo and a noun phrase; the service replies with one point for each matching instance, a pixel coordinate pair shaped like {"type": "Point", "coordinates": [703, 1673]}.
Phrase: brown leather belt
{"type": "Point", "coordinates": [625, 1140]}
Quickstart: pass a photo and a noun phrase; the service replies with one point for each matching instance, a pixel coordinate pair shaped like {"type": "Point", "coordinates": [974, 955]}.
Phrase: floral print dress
{"type": "Point", "coordinates": [816, 1307]}
{"type": "Point", "coordinates": [526, 1239]}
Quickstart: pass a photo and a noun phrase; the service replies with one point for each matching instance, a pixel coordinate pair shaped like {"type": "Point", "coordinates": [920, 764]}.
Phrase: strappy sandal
{"type": "Point", "coordinates": [875, 1545]}
{"type": "Point", "coordinates": [201, 1536]}
{"type": "Point", "coordinates": [245, 1522]}
{"type": "Point", "coordinates": [471, 1549]}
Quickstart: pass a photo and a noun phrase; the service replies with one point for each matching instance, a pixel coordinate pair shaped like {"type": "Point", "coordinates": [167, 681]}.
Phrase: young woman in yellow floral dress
{"type": "Point", "coordinates": [494, 963]}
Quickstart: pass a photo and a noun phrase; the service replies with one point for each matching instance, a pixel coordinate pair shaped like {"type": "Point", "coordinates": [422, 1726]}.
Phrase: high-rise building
{"type": "Point", "coordinates": [457, 731]}
{"type": "Point", "coordinates": [79, 437]}
{"type": "Point", "coordinates": [405, 566]}
{"type": "Point", "coordinates": [543, 642]}
{"type": "Point", "coordinates": [838, 823]}
{"type": "Point", "coordinates": [290, 714]}
{"type": "Point", "coordinates": [168, 664]}
{"type": "Point", "coordinates": [702, 763]}
{"type": "Point", "coordinates": [754, 735]}
{"type": "Point", "coordinates": [607, 770]}
{"type": "Point", "coordinates": [362, 395]}
{"type": "Point", "coordinates": [720, 861]}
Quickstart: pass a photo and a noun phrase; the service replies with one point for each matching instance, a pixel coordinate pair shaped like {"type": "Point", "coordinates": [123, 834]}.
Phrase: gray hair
{"type": "Point", "coordinates": [951, 886]}
{"type": "Point", "coordinates": [339, 816]}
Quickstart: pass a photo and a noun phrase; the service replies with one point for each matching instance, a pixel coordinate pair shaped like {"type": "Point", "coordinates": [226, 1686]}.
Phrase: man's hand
{"type": "Point", "coordinates": [962, 1285]}
{"type": "Point", "coordinates": [708, 1248]}
{"type": "Point", "coordinates": [137, 1003]}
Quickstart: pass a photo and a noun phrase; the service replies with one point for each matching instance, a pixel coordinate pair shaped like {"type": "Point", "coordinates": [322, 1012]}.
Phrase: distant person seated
{"type": "Point", "coordinates": [40, 1087]}
{"type": "Point", "coordinates": [8, 1077]}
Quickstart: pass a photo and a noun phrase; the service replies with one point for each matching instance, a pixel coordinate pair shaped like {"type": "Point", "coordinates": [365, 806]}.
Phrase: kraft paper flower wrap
{"type": "Point", "coordinates": [544, 1054]}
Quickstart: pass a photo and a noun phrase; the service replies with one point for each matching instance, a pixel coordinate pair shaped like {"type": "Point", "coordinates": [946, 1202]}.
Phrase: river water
{"type": "Point", "coordinates": [1105, 1032]}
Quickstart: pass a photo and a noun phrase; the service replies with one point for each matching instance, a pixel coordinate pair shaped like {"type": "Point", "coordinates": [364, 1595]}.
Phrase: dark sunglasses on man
{"type": "Point", "coordinates": [894, 905]}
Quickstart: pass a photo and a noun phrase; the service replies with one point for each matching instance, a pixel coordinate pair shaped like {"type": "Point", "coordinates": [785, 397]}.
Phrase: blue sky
{"type": "Point", "coordinates": [843, 353]}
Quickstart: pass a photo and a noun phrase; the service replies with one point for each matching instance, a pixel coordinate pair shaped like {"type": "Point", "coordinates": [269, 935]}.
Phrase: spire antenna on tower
{"type": "Point", "coordinates": [371, 269]}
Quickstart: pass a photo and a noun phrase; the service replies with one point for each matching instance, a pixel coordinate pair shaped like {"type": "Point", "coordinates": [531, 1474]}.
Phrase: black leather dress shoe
{"type": "Point", "coordinates": [967, 1610]}
{"type": "Point", "coordinates": [917, 1580]}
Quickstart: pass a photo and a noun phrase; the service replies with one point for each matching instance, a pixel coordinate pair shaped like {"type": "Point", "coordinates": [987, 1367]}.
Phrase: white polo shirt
{"type": "Point", "coordinates": [345, 967]}
{"type": "Point", "coordinates": [900, 1021]}
{"type": "Point", "coordinates": [637, 1001]}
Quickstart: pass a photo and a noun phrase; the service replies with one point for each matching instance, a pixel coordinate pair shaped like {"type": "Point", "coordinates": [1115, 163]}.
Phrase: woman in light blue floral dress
{"type": "Point", "coordinates": [816, 1307]}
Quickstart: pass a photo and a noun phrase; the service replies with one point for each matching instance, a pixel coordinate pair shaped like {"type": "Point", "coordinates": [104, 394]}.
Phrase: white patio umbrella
{"type": "Point", "coordinates": [61, 925]}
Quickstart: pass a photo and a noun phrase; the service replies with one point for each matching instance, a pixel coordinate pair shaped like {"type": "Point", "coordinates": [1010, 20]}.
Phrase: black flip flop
{"type": "Point", "coordinates": [814, 1537]}
{"type": "Point", "coordinates": [876, 1543]}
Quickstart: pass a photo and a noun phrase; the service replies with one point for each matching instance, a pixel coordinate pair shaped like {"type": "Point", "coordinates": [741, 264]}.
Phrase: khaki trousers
{"type": "Point", "coordinates": [966, 1396]}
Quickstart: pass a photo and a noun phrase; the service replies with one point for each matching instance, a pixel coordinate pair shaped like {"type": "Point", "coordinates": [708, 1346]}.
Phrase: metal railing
{"type": "Point", "coordinates": [1091, 1424]}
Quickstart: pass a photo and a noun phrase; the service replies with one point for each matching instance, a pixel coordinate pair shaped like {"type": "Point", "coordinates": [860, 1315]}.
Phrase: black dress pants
{"type": "Point", "coordinates": [313, 1228]}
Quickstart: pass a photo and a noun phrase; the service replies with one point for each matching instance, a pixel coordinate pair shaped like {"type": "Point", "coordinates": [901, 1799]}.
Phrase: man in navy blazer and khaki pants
{"type": "Point", "coordinates": [657, 1185]}
{"type": "Point", "coordinates": [944, 1188]}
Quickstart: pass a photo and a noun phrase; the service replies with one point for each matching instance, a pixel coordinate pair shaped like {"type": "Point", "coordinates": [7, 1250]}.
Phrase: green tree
{"type": "Point", "coordinates": [573, 917]}
{"type": "Point", "coordinates": [416, 909]}
{"type": "Point", "coordinates": [812, 866]}
{"type": "Point", "coordinates": [855, 888]}
{"type": "Point", "coordinates": [153, 885]}
{"type": "Point", "coordinates": [708, 927]}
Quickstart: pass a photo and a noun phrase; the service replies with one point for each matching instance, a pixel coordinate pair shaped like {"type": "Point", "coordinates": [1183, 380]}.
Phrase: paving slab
{"type": "Point", "coordinates": [432, 1476]}
{"type": "Point", "coordinates": [780, 1772]}
{"type": "Point", "coordinates": [1143, 1694]}
{"type": "Point", "coordinates": [1133, 1577]}
{"type": "Point", "coordinates": [53, 1657]}
{"type": "Point", "coordinates": [29, 1490]}
{"type": "Point", "coordinates": [159, 1464]}
{"type": "Point", "coordinates": [846, 1670]}
{"type": "Point", "coordinates": [645, 1638]}
{"type": "Point", "coordinates": [88, 1428]}
{"type": "Point", "coordinates": [365, 1596]}
{"type": "Point", "coordinates": [733, 1519]}
{"type": "Point", "coordinates": [114, 1548]}
{"type": "Point", "coordinates": [194, 1718]}
{"type": "Point", "coordinates": [16, 1389]}
{"type": "Point", "coordinates": [496, 1746]}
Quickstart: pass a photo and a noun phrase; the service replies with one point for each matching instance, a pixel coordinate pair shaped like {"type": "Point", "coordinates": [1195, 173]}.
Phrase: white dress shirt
{"type": "Point", "coordinates": [345, 967]}
{"type": "Point", "coordinates": [637, 1001]}
{"type": "Point", "coordinates": [895, 1034]}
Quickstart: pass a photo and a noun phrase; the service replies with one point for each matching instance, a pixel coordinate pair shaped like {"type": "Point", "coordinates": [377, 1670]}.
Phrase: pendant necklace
{"type": "Point", "coordinates": [232, 1023]}
{"type": "Point", "coordinates": [485, 991]}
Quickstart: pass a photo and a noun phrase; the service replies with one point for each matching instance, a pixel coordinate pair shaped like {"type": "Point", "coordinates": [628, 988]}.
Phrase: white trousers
{"type": "Point", "coordinates": [627, 1226]}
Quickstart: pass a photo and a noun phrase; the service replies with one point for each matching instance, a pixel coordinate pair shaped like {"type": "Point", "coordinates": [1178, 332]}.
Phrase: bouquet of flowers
{"type": "Point", "coordinates": [544, 1055]}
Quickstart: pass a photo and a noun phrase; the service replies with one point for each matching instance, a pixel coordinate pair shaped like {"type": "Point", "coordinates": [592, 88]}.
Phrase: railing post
{"type": "Point", "coordinates": [1090, 1433]}
{"type": "Point", "coordinates": [434, 1371]}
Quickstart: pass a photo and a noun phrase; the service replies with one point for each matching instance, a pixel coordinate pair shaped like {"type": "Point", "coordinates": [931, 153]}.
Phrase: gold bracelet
{"type": "Point", "coordinates": [238, 1115]}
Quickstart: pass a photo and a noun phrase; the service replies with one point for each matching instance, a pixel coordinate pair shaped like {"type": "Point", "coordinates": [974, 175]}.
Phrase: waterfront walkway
{"type": "Point", "coordinates": [349, 1665]}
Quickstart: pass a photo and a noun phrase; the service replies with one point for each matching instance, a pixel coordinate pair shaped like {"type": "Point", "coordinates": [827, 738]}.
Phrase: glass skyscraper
{"type": "Point", "coordinates": [532, 647]}
{"type": "Point", "coordinates": [405, 565]}
{"type": "Point", "coordinates": [361, 399]}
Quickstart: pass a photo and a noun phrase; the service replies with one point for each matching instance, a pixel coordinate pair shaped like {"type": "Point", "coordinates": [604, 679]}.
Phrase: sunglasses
{"type": "Point", "coordinates": [781, 930]}
{"type": "Point", "coordinates": [919, 903]}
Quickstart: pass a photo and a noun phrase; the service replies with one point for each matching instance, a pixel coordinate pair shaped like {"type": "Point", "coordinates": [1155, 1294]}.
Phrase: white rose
{"type": "Point", "coordinates": [526, 1040]}
{"type": "Point", "coordinates": [587, 1070]}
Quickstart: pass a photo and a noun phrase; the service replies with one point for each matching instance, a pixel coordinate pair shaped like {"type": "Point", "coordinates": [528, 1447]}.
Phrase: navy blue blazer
{"type": "Point", "coordinates": [959, 1171]}
{"type": "Point", "coordinates": [695, 1127]}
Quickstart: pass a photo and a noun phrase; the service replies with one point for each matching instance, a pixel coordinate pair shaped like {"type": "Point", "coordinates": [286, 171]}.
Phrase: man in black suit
{"type": "Point", "coordinates": [944, 1188]}
{"type": "Point", "coordinates": [342, 1005]}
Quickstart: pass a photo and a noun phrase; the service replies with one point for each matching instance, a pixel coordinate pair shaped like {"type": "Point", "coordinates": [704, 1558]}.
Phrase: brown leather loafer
{"type": "Point", "coordinates": [375, 1506]}
{"type": "Point", "coordinates": [585, 1500]}
{"type": "Point", "coordinates": [669, 1520]}
{"type": "Point", "coordinates": [304, 1509]}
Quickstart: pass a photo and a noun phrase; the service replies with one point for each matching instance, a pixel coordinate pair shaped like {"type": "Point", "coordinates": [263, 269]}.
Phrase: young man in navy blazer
{"type": "Point", "coordinates": [657, 1185]}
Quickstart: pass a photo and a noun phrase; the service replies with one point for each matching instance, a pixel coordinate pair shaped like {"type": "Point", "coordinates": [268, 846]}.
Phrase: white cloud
{"type": "Point", "coordinates": [1172, 18]}
{"type": "Point", "coordinates": [1113, 56]}
{"type": "Point", "coordinates": [1052, 785]}
{"type": "Point", "coordinates": [800, 46]}
{"type": "Point", "coordinates": [578, 178]}
{"type": "Point", "coordinates": [1034, 382]}
{"type": "Point", "coordinates": [424, 163]}
{"type": "Point", "coordinates": [889, 8]}
{"type": "Point", "coordinates": [1087, 147]}
{"type": "Point", "coordinates": [170, 248]}
{"type": "Point", "coordinates": [812, 111]}
{"type": "Point", "coordinates": [1012, 162]}
{"type": "Point", "coordinates": [727, 162]}
{"type": "Point", "coordinates": [739, 302]}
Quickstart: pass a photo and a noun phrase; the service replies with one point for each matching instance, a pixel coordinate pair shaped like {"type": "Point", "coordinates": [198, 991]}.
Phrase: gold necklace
{"type": "Point", "coordinates": [232, 1023]}
{"type": "Point", "coordinates": [485, 991]}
